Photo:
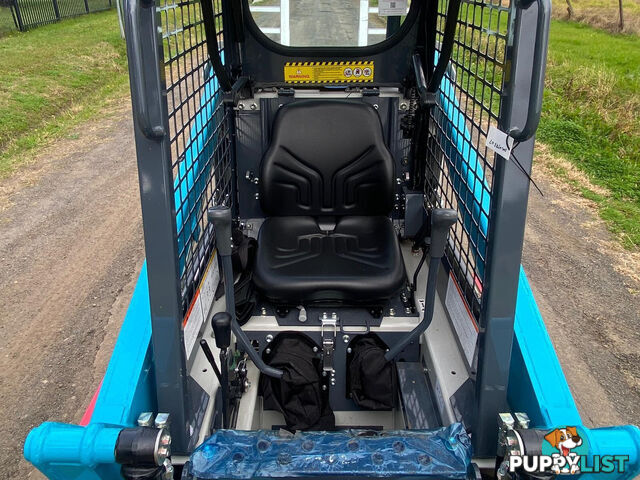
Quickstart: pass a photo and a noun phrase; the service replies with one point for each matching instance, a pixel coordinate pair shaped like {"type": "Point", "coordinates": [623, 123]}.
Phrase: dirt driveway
{"type": "Point", "coordinates": [71, 249]}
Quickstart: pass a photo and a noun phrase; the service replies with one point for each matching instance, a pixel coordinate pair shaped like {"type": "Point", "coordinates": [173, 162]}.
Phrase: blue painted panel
{"type": "Point", "coordinates": [63, 451]}
{"type": "Point", "coordinates": [128, 388]}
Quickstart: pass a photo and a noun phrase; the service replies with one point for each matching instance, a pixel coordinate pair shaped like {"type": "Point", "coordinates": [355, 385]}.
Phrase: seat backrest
{"type": "Point", "coordinates": [327, 158]}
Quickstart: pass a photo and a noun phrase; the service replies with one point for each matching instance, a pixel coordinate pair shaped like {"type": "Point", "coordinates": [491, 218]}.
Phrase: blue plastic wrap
{"type": "Point", "coordinates": [231, 454]}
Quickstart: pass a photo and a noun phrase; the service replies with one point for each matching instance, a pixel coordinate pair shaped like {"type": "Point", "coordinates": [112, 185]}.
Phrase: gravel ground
{"type": "Point", "coordinates": [71, 249]}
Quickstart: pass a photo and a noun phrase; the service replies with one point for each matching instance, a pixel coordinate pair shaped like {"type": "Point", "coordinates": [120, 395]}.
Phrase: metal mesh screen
{"type": "Point", "coordinates": [459, 167]}
{"type": "Point", "coordinates": [199, 134]}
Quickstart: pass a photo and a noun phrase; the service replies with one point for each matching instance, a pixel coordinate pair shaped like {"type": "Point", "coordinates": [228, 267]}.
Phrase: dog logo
{"type": "Point", "coordinates": [565, 440]}
{"type": "Point", "coordinates": [565, 450]}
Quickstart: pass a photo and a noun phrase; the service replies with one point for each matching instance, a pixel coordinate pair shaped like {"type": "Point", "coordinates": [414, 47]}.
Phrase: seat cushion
{"type": "Point", "coordinates": [358, 262]}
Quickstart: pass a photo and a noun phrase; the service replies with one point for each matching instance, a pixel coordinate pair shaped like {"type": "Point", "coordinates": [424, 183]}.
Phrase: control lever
{"type": "Point", "coordinates": [220, 217]}
{"type": "Point", "coordinates": [212, 361]}
{"type": "Point", "coordinates": [221, 324]}
{"type": "Point", "coordinates": [442, 219]}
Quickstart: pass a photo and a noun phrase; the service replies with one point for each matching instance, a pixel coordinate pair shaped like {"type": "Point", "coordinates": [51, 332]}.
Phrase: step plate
{"type": "Point", "coordinates": [232, 454]}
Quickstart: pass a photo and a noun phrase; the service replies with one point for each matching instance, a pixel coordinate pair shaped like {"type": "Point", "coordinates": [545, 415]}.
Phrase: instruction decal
{"type": "Point", "coordinates": [200, 305]}
{"type": "Point", "coordinates": [392, 8]}
{"type": "Point", "coordinates": [463, 322]}
{"type": "Point", "coordinates": [328, 72]}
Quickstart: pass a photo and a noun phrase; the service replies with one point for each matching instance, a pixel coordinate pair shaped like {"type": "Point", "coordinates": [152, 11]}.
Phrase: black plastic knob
{"type": "Point", "coordinates": [220, 216]}
{"type": "Point", "coordinates": [442, 219]}
{"type": "Point", "coordinates": [221, 324]}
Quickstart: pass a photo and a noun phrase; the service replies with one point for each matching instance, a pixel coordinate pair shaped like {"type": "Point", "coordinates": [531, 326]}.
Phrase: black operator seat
{"type": "Point", "coordinates": [326, 186]}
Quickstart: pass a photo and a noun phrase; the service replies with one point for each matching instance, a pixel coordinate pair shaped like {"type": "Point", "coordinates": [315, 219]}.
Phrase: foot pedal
{"type": "Point", "coordinates": [418, 399]}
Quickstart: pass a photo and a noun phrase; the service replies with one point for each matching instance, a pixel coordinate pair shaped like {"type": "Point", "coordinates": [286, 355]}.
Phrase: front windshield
{"type": "Point", "coordinates": [320, 23]}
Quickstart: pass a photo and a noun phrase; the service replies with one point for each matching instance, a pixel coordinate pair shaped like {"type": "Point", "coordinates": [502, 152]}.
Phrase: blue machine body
{"type": "Point", "coordinates": [537, 384]}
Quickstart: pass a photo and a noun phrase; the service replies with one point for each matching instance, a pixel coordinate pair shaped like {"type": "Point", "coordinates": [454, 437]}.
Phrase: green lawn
{"type": "Point", "coordinates": [591, 116]}
{"type": "Point", "coordinates": [54, 77]}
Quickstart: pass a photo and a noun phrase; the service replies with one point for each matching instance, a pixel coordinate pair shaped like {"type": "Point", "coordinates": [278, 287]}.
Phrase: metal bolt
{"type": "Point", "coordinates": [257, 196]}
{"type": "Point", "coordinates": [345, 338]}
{"type": "Point", "coordinates": [241, 106]}
{"type": "Point", "coordinates": [315, 349]}
{"type": "Point", "coordinates": [263, 311]}
{"type": "Point", "coordinates": [268, 351]}
{"type": "Point", "coordinates": [403, 106]}
{"type": "Point", "coordinates": [163, 453]}
{"type": "Point", "coordinates": [407, 310]}
{"type": "Point", "coordinates": [145, 419]}
{"type": "Point", "coordinates": [399, 181]}
{"type": "Point", "coordinates": [168, 470]}
{"type": "Point", "coordinates": [349, 350]}
{"type": "Point", "coordinates": [253, 106]}
{"type": "Point", "coordinates": [165, 439]}
{"type": "Point", "coordinates": [375, 105]}
{"type": "Point", "coordinates": [392, 312]}
{"type": "Point", "coordinates": [503, 471]}
{"type": "Point", "coordinates": [324, 387]}
{"type": "Point", "coordinates": [269, 338]}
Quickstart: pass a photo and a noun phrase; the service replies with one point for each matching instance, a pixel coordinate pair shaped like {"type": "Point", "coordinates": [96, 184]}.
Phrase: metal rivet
{"type": "Point", "coordinates": [403, 106]}
{"type": "Point", "coordinates": [253, 106]}
{"type": "Point", "coordinates": [268, 351]}
{"type": "Point", "coordinates": [241, 106]}
{"type": "Point", "coordinates": [392, 312]}
{"type": "Point", "coordinates": [375, 105]}
{"type": "Point", "coordinates": [263, 311]}
{"type": "Point", "coordinates": [269, 338]}
{"type": "Point", "coordinates": [345, 338]}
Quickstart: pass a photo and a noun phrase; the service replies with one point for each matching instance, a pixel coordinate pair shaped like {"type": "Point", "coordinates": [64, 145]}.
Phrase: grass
{"type": "Point", "coordinates": [591, 116]}
{"type": "Point", "coordinates": [602, 14]}
{"type": "Point", "coordinates": [55, 77]}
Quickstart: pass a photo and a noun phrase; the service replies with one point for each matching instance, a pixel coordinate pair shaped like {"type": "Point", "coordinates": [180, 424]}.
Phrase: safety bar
{"type": "Point", "coordinates": [133, 12]}
{"type": "Point", "coordinates": [537, 72]}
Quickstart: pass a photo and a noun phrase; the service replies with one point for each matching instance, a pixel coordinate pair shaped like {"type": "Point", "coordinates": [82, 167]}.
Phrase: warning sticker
{"type": "Point", "coordinates": [463, 322]}
{"type": "Point", "coordinates": [328, 72]}
{"type": "Point", "coordinates": [200, 305]}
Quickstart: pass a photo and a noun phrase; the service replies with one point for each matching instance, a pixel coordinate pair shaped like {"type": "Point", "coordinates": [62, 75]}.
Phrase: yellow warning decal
{"type": "Point", "coordinates": [328, 72]}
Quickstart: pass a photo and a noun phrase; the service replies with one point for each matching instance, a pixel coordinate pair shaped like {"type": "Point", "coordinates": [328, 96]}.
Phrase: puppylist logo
{"type": "Point", "coordinates": [565, 451]}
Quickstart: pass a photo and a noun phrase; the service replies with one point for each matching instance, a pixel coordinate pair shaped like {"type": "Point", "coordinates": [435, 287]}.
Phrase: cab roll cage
{"type": "Point", "coordinates": [520, 101]}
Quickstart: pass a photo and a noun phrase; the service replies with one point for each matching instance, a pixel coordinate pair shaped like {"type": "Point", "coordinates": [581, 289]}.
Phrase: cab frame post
{"type": "Point", "coordinates": [506, 231]}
